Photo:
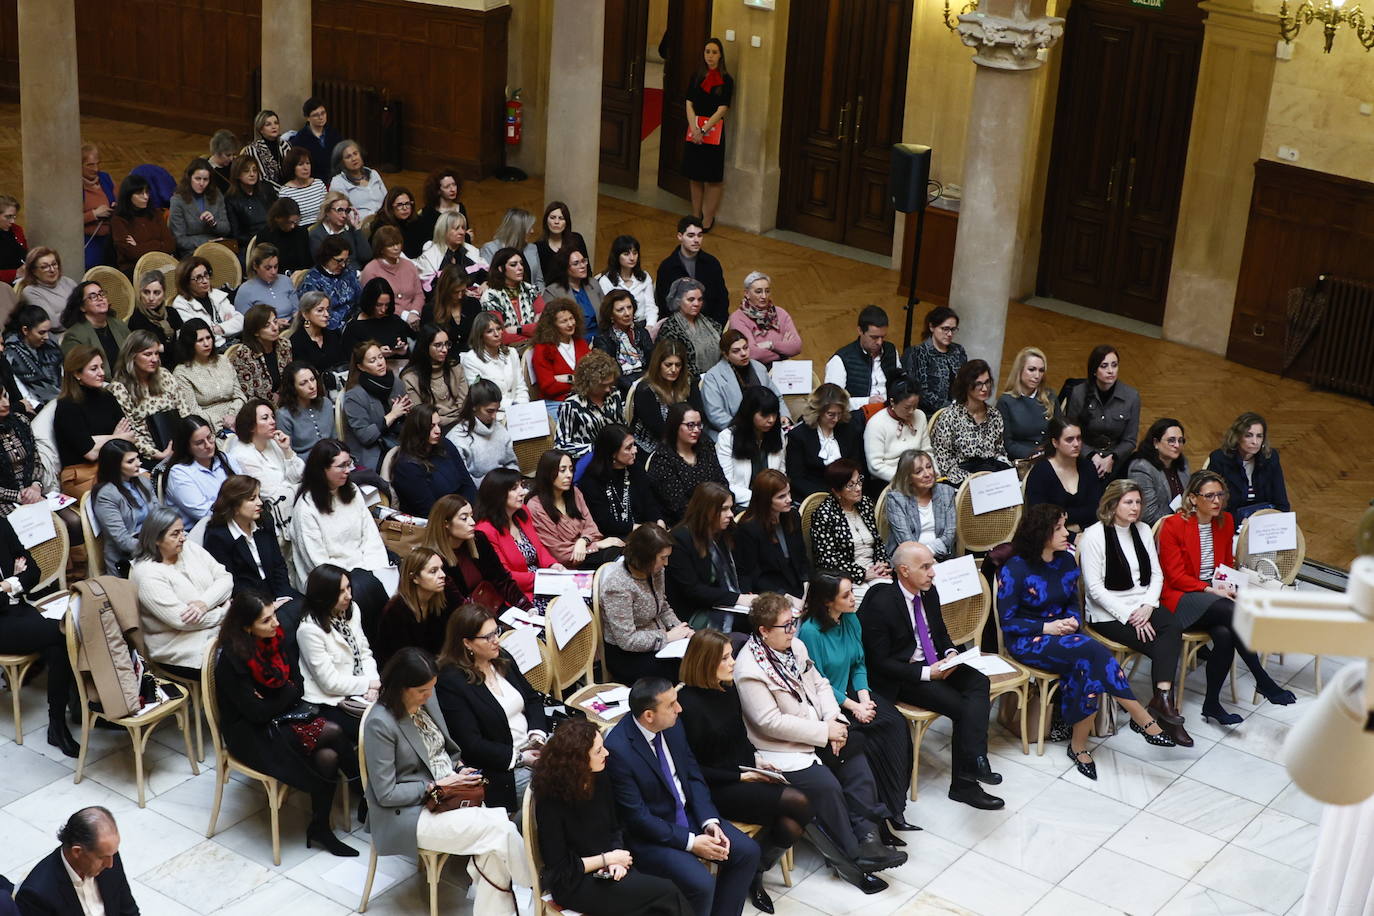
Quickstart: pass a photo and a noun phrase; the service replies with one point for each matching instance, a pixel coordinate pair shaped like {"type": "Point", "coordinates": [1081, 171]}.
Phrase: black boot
{"type": "Point", "coordinates": [874, 856]}
{"type": "Point", "coordinates": [844, 866]}
{"type": "Point", "coordinates": [362, 810]}
{"type": "Point", "coordinates": [889, 838]}
{"type": "Point", "coordinates": [320, 835]}
{"type": "Point", "coordinates": [60, 737]}
{"type": "Point", "coordinates": [758, 896]}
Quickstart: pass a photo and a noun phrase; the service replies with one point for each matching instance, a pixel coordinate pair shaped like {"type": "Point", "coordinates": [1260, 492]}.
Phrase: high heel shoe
{"type": "Point", "coordinates": [889, 838]}
{"type": "Point", "coordinates": [1163, 739]}
{"type": "Point", "coordinates": [324, 838]}
{"type": "Point", "coordinates": [759, 897]}
{"type": "Point", "coordinates": [845, 868]}
{"type": "Point", "coordinates": [1215, 711]}
{"type": "Point", "coordinates": [1088, 769]}
{"type": "Point", "coordinates": [1278, 696]}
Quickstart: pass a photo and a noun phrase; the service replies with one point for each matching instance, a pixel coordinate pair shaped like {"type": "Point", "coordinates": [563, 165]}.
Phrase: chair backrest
{"type": "Point", "coordinates": [339, 416]}
{"type": "Point", "coordinates": [162, 262]}
{"type": "Point", "coordinates": [880, 513]}
{"type": "Point", "coordinates": [979, 533]}
{"type": "Point", "coordinates": [529, 451]}
{"type": "Point", "coordinates": [95, 544]}
{"type": "Point", "coordinates": [209, 698]}
{"type": "Point", "coordinates": [808, 509]}
{"type": "Point", "coordinates": [1288, 562]}
{"type": "Point", "coordinates": [1157, 527]}
{"type": "Point", "coordinates": [541, 676]}
{"type": "Point", "coordinates": [224, 264]}
{"type": "Point", "coordinates": [51, 557]}
{"type": "Point", "coordinates": [362, 751]}
{"type": "Point", "coordinates": [298, 277]}
{"type": "Point", "coordinates": [965, 618]}
{"type": "Point", "coordinates": [43, 435]}
{"type": "Point", "coordinates": [933, 417]}
{"type": "Point", "coordinates": [527, 367]}
{"type": "Point", "coordinates": [574, 661]}
{"type": "Point", "coordinates": [248, 252]}
{"type": "Point", "coordinates": [9, 301]}
{"type": "Point", "coordinates": [606, 673]}
{"type": "Point", "coordinates": [389, 462]}
{"type": "Point", "coordinates": [529, 829]}
{"type": "Point", "coordinates": [117, 288]}
{"type": "Point", "coordinates": [630, 403]}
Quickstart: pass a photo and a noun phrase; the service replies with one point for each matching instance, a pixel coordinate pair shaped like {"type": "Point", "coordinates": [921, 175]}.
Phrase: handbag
{"type": "Point", "coordinates": [401, 534]}
{"type": "Point", "coordinates": [77, 479]}
{"type": "Point", "coordinates": [354, 706]}
{"type": "Point", "coordinates": [301, 712]}
{"type": "Point", "coordinates": [162, 427]}
{"type": "Point", "coordinates": [446, 798]}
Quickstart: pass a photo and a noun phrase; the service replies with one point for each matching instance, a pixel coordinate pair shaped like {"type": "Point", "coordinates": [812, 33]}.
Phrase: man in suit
{"type": "Point", "coordinates": [667, 808]}
{"type": "Point", "coordinates": [688, 260]}
{"type": "Point", "coordinates": [903, 634]}
{"type": "Point", "coordinates": [82, 876]}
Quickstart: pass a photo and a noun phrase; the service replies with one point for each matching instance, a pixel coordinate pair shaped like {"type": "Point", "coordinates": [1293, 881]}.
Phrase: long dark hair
{"type": "Point", "coordinates": [1054, 430]}
{"type": "Point", "coordinates": [286, 391]}
{"type": "Point", "coordinates": [671, 423]}
{"type": "Point", "coordinates": [181, 443]}
{"type": "Point", "coordinates": [108, 470]}
{"type": "Point", "coordinates": [26, 316]}
{"type": "Point", "coordinates": [491, 498]}
{"type": "Point", "coordinates": [313, 481]}
{"type": "Point", "coordinates": [567, 222]}
{"type": "Point", "coordinates": [186, 341]}
{"type": "Point", "coordinates": [701, 68]}
{"type": "Point", "coordinates": [544, 474]}
{"type": "Point", "coordinates": [1149, 451]}
{"type": "Point", "coordinates": [608, 441]}
{"type": "Point", "coordinates": [72, 315]}
{"type": "Point", "coordinates": [823, 589]}
{"type": "Point", "coordinates": [481, 393]}
{"type": "Point", "coordinates": [243, 612]}
{"type": "Point", "coordinates": [766, 484]}
{"type": "Point", "coordinates": [183, 189]}
{"type": "Point", "coordinates": [322, 590]}
{"type": "Point", "coordinates": [756, 399]}
{"type": "Point", "coordinates": [620, 245]}
{"type": "Point", "coordinates": [130, 186]}
{"type": "Point", "coordinates": [422, 367]}
{"type": "Point", "coordinates": [372, 293]}
{"type": "Point", "coordinates": [409, 667]}
{"type": "Point", "coordinates": [702, 516]}
{"type": "Point", "coordinates": [414, 441]}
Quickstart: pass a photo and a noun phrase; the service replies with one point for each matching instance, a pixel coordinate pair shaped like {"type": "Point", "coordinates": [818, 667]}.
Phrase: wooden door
{"type": "Point", "coordinates": [844, 95]}
{"type": "Point", "coordinates": [1120, 141]}
{"type": "Point", "coordinates": [622, 90]}
{"type": "Point", "coordinates": [689, 25]}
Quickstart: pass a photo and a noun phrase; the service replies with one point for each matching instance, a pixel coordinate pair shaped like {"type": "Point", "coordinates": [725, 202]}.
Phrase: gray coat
{"type": "Point", "coordinates": [397, 775]}
{"type": "Point", "coordinates": [184, 221]}
{"type": "Point", "coordinates": [1154, 488]}
{"type": "Point", "coordinates": [115, 515]}
{"type": "Point", "coordinates": [721, 394]}
{"type": "Point", "coordinates": [365, 432]}
{"type": "Point", "coordinates": [904, 520]}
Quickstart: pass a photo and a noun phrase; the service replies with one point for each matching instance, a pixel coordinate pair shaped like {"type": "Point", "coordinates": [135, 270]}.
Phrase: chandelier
{"type": "Point", "coordinates": [952, 18]}
{"type": "Point", "coordinates": [1330, 13]}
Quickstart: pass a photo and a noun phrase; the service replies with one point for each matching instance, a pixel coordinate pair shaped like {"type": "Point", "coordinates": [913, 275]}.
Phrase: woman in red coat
{"type": "Point", "coordinates": [1192, 544]}
{"type": "Point", "coordinates": [502, 518]}
{"type": "Point", "coordinates": [558, 346]}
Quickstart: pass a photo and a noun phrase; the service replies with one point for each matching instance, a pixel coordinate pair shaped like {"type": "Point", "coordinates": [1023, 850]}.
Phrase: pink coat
{"type": "Point", "coordinates": [404, 279]}
{"type": "Point", "coordinates": [786, 341]}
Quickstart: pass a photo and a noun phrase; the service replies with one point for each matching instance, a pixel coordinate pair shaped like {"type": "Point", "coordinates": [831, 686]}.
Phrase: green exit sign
{"type": "Point", "coordinates": [1152, 4]}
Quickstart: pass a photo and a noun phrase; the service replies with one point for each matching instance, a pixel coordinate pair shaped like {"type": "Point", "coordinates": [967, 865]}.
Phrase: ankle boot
{"type": "Point", "coordinates": [60, 737]}
{"type": "Point", "coordinates": [1163, 708]}
{"type": "Point", "coordinates": [1181, 737]}
{"type": "Point", "coordinates": [843, 865]}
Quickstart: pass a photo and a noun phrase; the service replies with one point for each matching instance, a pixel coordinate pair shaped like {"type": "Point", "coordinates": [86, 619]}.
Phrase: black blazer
{"type": "Point", "coordinates": [760, 561]}
{"type": "Point", "coordinates": [478, 725]}
{"type": "Point", "coordinates": [714, 724]}
{"type": "Point", "coordinates": [1269, 484]}
{"type": "Point", "coordinates": [233, 555]}
{"type": "Point", "coordinates": [890, 638]}
{"type": "Point", "coordinates": [644, 507]}
{"type": "Point", "coordinates": [10, 551]}
{"type": "Point", "coordinates": [691, 583]}
{"type": "Point", "coordinates": [709, 275]}
{"type": "Point", "coordinates": [805, 469]}
{"type": "Point", "coordinates": [47, 891]}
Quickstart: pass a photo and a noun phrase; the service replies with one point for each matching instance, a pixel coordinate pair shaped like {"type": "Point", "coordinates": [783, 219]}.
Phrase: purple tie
{"type": "Point", "coordinates": [923, 632]}
{"type": "Point", "coordinates": [679, 812]}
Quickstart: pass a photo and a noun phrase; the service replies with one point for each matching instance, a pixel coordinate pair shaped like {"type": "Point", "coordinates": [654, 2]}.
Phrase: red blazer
{"type": "Point", "coordinates": [510, 555]}
{"type": "Point", "coordinates": [1180, 554]}
{"type": "Point", "coordinates": [548, 362]}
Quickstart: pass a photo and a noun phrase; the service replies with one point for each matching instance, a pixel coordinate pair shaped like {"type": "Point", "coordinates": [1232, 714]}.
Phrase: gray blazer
{"type": "Point", "coordinates": [1154, 488]}
{"type": "Point", "coordinates": [365, 431]}
{"type": "Point", "coordinates": [721, 394]}
{"type": "Point", "coordinates": [188, 229]}
{"type": "Point", "coordinates": [115, 515]}
{"type": "Point", "coordinates": [904, 520]}
{"type": "Point", "coordinates": [397, 775]}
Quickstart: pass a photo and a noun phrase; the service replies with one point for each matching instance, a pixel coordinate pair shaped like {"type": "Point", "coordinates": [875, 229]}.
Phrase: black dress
{"type": "Point", "coordinates": [572, 831]}
{"type": "Point", "coordinates": [138, 321]}
{"type": "Point", "coordinates": [714, 724]}
{"type": "Point", "coordinates": [75, 422]}
{"type": "Point", "coordinates": [385, 331]}
{"type": "Point", "coordinates": [620, 500]}
{"type": "Point", "coordinates": [705, 161]}
{"type": "Point", "coordinates": [326, 356]}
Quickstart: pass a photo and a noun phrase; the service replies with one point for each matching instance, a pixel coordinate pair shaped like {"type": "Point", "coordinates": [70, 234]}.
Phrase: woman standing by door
{"type": "Point", "coordinates": [703, 158]}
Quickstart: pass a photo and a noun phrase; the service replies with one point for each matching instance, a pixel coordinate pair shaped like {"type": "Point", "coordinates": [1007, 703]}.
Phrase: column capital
{"type": "Point", "coordinates": [1009, 42]}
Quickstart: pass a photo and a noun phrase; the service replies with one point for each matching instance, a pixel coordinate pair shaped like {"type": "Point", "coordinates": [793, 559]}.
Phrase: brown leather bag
{"type": "Point", "coordinates": [77, 479]}
{"type": "Point", "coordinates": [401, 536]}
{"type": "Point", "coordinates": [446, 798]}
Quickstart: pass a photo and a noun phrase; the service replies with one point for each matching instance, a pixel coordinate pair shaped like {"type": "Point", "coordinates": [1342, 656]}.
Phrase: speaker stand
{"type": "Point", "coordinates": [911, 298]}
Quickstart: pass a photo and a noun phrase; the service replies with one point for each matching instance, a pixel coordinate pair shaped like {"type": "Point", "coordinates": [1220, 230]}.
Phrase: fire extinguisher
{"type": "Point", "coordinates": [515, 119]}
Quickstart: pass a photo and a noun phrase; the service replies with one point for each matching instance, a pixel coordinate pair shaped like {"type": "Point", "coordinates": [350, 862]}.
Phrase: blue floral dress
{"type": "Point", "coordinates": [1029, 595]}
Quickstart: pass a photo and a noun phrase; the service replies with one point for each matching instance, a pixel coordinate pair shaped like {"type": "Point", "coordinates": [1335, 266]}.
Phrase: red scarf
{"type": "Point", "coordinates": [711, 80]}
{"type": "Point", "coordinates": [268, 663]}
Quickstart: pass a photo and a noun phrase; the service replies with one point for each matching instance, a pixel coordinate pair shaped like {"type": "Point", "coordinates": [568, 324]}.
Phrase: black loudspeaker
{"type": "Point", "coordinates": [910, 176]}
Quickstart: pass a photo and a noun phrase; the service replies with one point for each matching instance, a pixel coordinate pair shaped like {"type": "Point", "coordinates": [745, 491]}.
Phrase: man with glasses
{"type": "Point", "coordinates": [904, 638]}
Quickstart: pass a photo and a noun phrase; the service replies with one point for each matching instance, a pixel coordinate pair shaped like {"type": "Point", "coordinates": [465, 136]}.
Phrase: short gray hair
{"type": "Point", "coordinates": [755, 276]}
{"type": "Point", "coordinates": [155, 527]}
{"type": "Point", "coordinates": [680, 288]}
{"type": "Point", "coordinates": [311, 299]}
{"type": "Point", "coordinates": [224, 142]}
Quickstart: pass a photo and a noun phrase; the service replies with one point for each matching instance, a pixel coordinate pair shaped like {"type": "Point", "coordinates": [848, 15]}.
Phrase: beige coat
{"type": "Point", "coordinates": [775, 719]}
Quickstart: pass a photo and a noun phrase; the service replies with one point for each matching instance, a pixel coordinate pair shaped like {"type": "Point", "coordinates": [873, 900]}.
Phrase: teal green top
{"type": "Point", "coordinates": [838, 654]}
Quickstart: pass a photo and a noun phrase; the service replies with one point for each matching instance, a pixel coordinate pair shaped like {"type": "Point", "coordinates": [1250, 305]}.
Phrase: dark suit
{"type": "Point", "coordinates": [709, 275]}
{"type": "Point", "coordinates": [890, 641]}
{"type": "Point", "coordinates": [805, 469]}
{"type": "Point", "coordinates": [24, 630]}
{"type": "Point", "coordinates": [693, 584]}
{"type": "Point", "coordinates": [232, 553]}
{"type": "Point", "coordinates": [659, 845]}
{"type": "Point", "coordinates": [48, 890]}
{"type": "Point", "coordinates": [761, 563]}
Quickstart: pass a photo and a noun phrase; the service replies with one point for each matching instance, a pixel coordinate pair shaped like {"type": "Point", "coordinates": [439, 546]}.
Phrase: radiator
{"type": "Point", "coordinates": [368, 115]}
{"type": "Point", "coordinates": [1344, 355]}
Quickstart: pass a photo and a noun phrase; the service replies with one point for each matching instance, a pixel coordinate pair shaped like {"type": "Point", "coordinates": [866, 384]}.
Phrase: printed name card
{"type": "Point", "coordinates": [523, 646]}
{"type": "Point", "coordinates": [558, 581]}
{"type": "Point", "coordinates": [568, 615]}
{"type": "Point", "coordinates": [998, 490]}
{"type": "Point", "coordinates": [33, 524]}
{"type": "Point", "coordinates": [957, 579]}
{"type": "Point", "coordinates": [527, 421]}
{"type": "Point", "coordinates": [792, 376]}
{"type": "Point", "coordinates": [1271, 533]}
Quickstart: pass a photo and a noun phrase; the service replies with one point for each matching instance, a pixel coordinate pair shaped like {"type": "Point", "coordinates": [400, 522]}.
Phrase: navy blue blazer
{"type": "Point", "coordinates": [233, 555]}
{"type": "Point", "coordinates": [1269, 484]}
{"type": "Point", "coordinates": [47, 891]}
{"type": "Point", "coordinates": [644, 796]}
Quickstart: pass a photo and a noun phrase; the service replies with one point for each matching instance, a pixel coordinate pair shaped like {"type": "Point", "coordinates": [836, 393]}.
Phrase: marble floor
{"type": "Point", "coordinates": [1218, 828]}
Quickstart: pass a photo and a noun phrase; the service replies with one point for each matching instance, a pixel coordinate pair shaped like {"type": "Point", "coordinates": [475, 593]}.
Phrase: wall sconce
{"type": "Point", "coordinates": [952, 18]}
{"type": "Point", "coordinates": [1331, 14]}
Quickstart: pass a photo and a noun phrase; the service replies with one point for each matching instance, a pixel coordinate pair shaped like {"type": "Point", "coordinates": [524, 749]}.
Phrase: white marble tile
{"type": "Point", "coordinates": [1240, 773]}
{"type": "Point", "coordinates": [163, 770]}
{"type": "Point", "coordinates": [151, 901]}
{"type": "Point", "coordinates": [311, 872]}
{"type": "Point", "coordinates": [786, 906]}
{"type": "Point", "coordinates": [103, 742]}
{"type": "Point", "coordinates": [827, 893]}
{"type": "Point", "coordinates": [1178, 850]}
{"type": "Point", "coordinates": [26, 771]}
{"type": "Point", "coordinates": [965, 825]}
{"type": "Point", "coordinates": [927, 856]}
{"type": "Point", "coordinates": [1291, 713]}
{"type": "Point", "coordinates": [1259, 735]}
{"type": "Point", "coordinates": [282, 895]}
{"type": "Point", "coordinates": [1122, 882]}
{"type": "Point", "coordinates": [190, 802]}
{"type": "Point", "coordinates": [1061, 901]}
{"type": "Point", "coordinates": [411, 896]}
{"type": "Point", "coordinates": [1174, 759]}
{"type": "Point", "coordinates": [252, 837]}
{"type": "Point", "coordinates": [1281, 837]}
{"type": "Point", "coordinates": [1204, 808]}
{"type": "Point", "coordinates": [928, 904]}
{"type": "Point", "coordinates": [1056, 831]}
{"type": "Point", "coordinates": [1298, 803]}
{"type": "Point", "coordinates": [1123, 778]}
{"type": "Point", "coordinates": [1254, 879]}
{"type": "Point", "coordinates": [989, 887]}
{"type": "Point", "coordinates": [207, 873]}
{"type": "Point", "coordinates": [21, 843]}
{"type": "Point", "coordinates": [1008, 747]}
{"type": "Point", "coordinates": [1196, 900]}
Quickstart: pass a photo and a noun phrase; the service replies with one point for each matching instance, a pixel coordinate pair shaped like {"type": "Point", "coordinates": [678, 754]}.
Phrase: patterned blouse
{"type": "Point", "coordinates": [440, 764]}
{"type": "Point", "coordinates": [214, 388]}
{"type": "Point", "coordinates": [933, 371]}
{"type": "Point", "coordinates": [579, 422]}
{"type": "Point", "coordinates": [175, 396]}
{"type": "Point", "coordinates": [18, 461]}
{"type": "Point", "coordinates": [254, 376]}
{"type": "Point", "coordinates": [269, 155]}
{"type": "Point", "coordinates": [832, 542]}
{"type": "Point", "coordinates": [516, 310]}
{"type": "Point", "coordinates": [957, 437]}
{"type": "Point", "coordinates": [674, 480]}
{"type": "Point", "coordinates": [343, 292]}
{"type": "Point", "coordinates": [702, 340]}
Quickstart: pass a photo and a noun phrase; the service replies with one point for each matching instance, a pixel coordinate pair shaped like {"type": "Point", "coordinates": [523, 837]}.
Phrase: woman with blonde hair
{"type": "Point", "coordinates": [338, 217]}
{"type": "Point", "coordinates": [824, 433]}
{"type": "Point", "coordinates": [1027, 406]}
{"type": "Point", "coordinates": [418, 613]}
{"type": "Point", "coordinates": [665, 382]}
{"type": "Point", "coordinates": [268, 149]}
{"type": "Point", "coordinates": [448, 248]}
{"type": "Point", "coordinates": [918, 510]}
{"type": "Point", "coordinates": [514, 233]}
{"type": "Point", "coordinates": [151, 398]}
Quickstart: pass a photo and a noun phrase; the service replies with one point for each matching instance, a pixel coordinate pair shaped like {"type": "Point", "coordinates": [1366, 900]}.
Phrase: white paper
{"type": "Point", "coordinates": [957, 579]}
{"type": "Point", "coordinates": [990, 665]}
{"type": "Point", "coordinates": [558, 581]}
{"type": "Point", "coordinates": [792, 376]}
{"type": "Point", "coordinates": [527, 421]}
{"type": "Point", "coordinates": [33, 524]}
{"type": "Point", "coordinates": [675, 649]}
{"type": "Point", "coordinates": [515, 618]}
{"type": "Point", "coordinates": [613, 696]}
{"type": "Point", "coordinates": [1225, 575]}
{"type": "Point", "coordinates": [90, 516]}
{"type": "Point", "coordinates": [951, 661]}
{"type": "Point", "coordinates": [568, 615]}
{"type": "Point", "coordinates": [994, 491]}
{"type": "Point", "coordinates": [523, 646]}
{"type": "Point", "coordinates": [58, 501]}
{"type": "Point", "coordinates": [770, 775]}
{"type": "Point", "coordinates": [1176, 503]}
{"type": "Point", "coordinates": [389, 577]}
{"type": "Point", "coordinates": [732, 609]}
{"type": "Point", "coordinates": [1271, 533]}
{"type": "Point", "coordinates": [856, 404]}
{"type": "Point", "coordinates": [55, 608]}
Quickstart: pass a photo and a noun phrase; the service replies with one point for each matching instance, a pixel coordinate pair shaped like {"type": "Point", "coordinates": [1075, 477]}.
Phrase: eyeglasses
{"type": "Point", "coordinates": [856, 484]}
{"type": "Point", "coordinates": [985, 383]}
{"type": "Point", "coordinates": [1214, 497]}
{"type": "Point", "coordinates": [97, 296]}
{"type": "Point", "coordinates": [1175, 440]}
{"type": "Point", "coordinates": [441, 345]}
{"type": "Point", "coordinates": [402, 203]}
{"type": "Point", "coordinates": [493, 637]}
{"type": "Point", "coordinates": [790, 626]}
{"type": "Point", "coordinates": [692, 425]}
{"type": "Point", "coordinates": [948, 329]}
{"type": "Point", "coordinates": [340, 260]}
{"type": "Point", "coordinates": [343, 467]}
{"type": "Point", "coordinates": [200, 276]}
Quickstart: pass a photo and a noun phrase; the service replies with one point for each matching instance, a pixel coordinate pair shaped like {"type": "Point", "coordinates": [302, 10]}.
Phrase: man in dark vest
{"type": "Point", "coordinates": [688, 260]}
{"type": "Point", "coordinates": [861, 367]}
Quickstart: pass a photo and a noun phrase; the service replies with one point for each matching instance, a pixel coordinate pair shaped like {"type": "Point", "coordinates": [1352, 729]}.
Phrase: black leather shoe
{"type": "Point", "coordinates": [889, 838]}
{"type": "Point", "coordinates": [1088, 769]}
{"type": "Point", "coordinates": [982, 771]}
{"type": "Point", "coordinates": [973, 795]}
{"type": "Point", "coordinates": [60, 737]}
{"type": "Point", "coordinates": [900, 823]}
{"type": "Point", "coordinates": [759, 897]}
{"type": "Point", "coordinates": [874, 856]}
{"type": "Point", "coordinates": [324, 838]}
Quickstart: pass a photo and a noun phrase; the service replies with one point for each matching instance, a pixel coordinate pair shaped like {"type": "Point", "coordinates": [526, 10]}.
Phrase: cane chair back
{"type": "Point", "coordinates": [981, 533]}
{"type": "Point", "coordinates": [117, 289]}
{"type": "Point", "coordinates": [225, 269]}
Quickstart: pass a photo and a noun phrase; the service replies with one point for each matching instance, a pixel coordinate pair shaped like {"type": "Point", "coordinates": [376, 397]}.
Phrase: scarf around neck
{"type": "Point", "coordinates": [379, 386]}
{"type": "Point", "coordinates": [765, 318]}
{"type": "Point", "coordinates": [268, 663]}
{"type": "Point", "coordinates": [1118, 574]}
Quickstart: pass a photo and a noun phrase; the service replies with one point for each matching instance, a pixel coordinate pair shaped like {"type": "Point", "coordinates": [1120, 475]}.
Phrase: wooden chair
{"type": "Point", "coordinates": [140, 726]}
{"type": "Point", "coordinates": [51, 558]}
{"type": "Point", "coordinates": [541, 676]}
{"type": "Point", "coordinates": [574, 662]}
{"type": "Point", "coordinates": [529, 451]}
{"type": "Point", "coordinates": [880, 513]}
{"type": "Point", "coordinates": [1287, 564]}
{"type": "Point", "coordinates": [339, 426]}
{"type": "Point", "coordinates": [431, 861]}
{"type": "Point", "coordinates": [15, 667]}
{"type": "Point", "coordinates": [161, 262]}
{"type": "Point", "coordinates": [1046, 684]}
{"type": "Point", "coordinates": [225, 269]}
{"type": "Point", "coordinates": [585, 694]}
{"type": "Point", "coordinates": [529, 829]}
{"type": "Point", "coordinates": [192, 686]}
{"type": "Point", "coordinates": [94, 543]}
{"type": "Point", "coordinates": [630, 403]}
{"type": "Point", "coordinates": [981, 533]}
{"type": "Point", "coordinates": [808, 509]}
{"type": "Point", "coordinates": [389, 462]}
{"type": "Point", "coordinates": [527, 367]}
{"type": "Point", "coordinates": [1192, 640]}
{"type": "Point", "coordinates": [248, 252]}
{"type": "Point", "coordinates": [785, 861]}
{"type": "Point", "coordinates": [1123, 654]}
{"type": "Point", "coordinates": [965, 619]}
{"type": "Point", "coordinates": [117, 288]}
{"type": "Point", "coordinates": [298, 278]}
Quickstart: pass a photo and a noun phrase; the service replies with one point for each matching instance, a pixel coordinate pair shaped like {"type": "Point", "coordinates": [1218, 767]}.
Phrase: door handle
{"type": "Point", "coordinates": [859, 120]}
{"type": "Point", "coordinates": [634, 64]}
{"type": "Point", "coordinates": [1130, 182]}
{"type": "Point", "coordinates": [844, 116]}
{"type": "Point", "coordinates": [1111, 183]}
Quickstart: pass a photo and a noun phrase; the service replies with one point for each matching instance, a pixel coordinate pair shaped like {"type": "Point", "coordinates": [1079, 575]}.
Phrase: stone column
{"type": "Point", "coordinates": [1006, 35]}
{"type": "Point", "coordinates": [286, 60]}
{"type": "Point", "coordinates": [572, 158]}
{"type": "Point", "coordinates": [50, 129]}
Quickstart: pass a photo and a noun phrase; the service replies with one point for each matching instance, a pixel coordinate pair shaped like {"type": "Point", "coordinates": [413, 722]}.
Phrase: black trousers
{"type": "Point", "coordinates": [24, 630]}
{"type": "Point", "coordinates": [628, 667]}
{"type": "Point", "coordinates": [828, 790]}
{"type": "Point", "coordinates": [963, 699]}
{"type": "Point", "coordinates": [1163, 651]}
{"type": "Point", "coordinates": [596, 558]}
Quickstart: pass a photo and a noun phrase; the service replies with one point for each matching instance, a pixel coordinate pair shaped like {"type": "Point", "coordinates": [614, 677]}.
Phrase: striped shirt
{"type": "Point", "coordinates": [1209, 563]}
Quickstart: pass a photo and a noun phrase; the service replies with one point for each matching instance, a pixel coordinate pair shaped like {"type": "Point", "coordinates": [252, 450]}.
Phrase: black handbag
{"type": "Point", "coordinates": [301, 712]}
{"type": "Point", "coordinates": [162, 426]}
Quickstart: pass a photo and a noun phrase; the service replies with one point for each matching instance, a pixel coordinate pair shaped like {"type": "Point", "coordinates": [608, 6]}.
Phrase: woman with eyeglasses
{"type": "Point", "coordinates": [362, 186]}
{"type": "Point", "coordinates": [1192, 544]}
{"type": "Point", "coordinates": [208, 376]}
{"type": "Point", "coordinates": [285, 232]}
{"type": "Point", "coordinates": [556, 235]}
{"type": "Point", "coordinates": [637, 618]}
{"type": "Point", "coordinates": [434, 376]}
{"type": "Point", "coordinates": [685, 459]}
{"type": "Point", "coordinates": [339, 219]}
{"type": "Point", "coordinates": [33, 355]}
{"type": "Point", "coordinates": [137, 228]}
{"type": "Point", "coordinates": [1160, 469]}
{"type": "Point", "coordinates": [771, 333]}
{"type": "Point", "coordinates": [503, 519]}
{"type": "Point", "coordinates": [197, 298]}
{"type": "Point", "coordinates": [572, 279]}
{"type": "Point", "coordinates": [248, 199]}
{"type": "Point", "coordinates": [196, 470]}
{"type": "Point", "coordinates": [333, 276]}
{"type": "Point", "coordinates": [751, 443]}
{"type": "Point", "coordinates": [933, 364]}
{"type": "Point", "coordinates": [44, 284]}
{"type": "Point", "coordinates": [90, 323]}
{"type": "Point", "coordinates": [967, 437]}
{"type": "Point", "coordinates": [400, 211]}
{"type": "Point", "coordinates": [1108, 412]}
{"type": "Point", "coordinates": [1250, 467]}
{"type": "Point", "coordinates": [844, 531]}
{"type": "Point", "coordinates": [823, 433]}
{"type": "Point", "coordinates": [702, 574]}
{"type": "Point", "coordinates": [392, 266]}
{"type": "Point", "coordinates": [267, 285]}
{"type": "Point", "coordinates": [624, 271]}
{"type": "Point", "coordinates": [150, 396]}
{"type": "Point", "coordinates": [197, 213]}
{"type": "Point", "coordinates": [299, 184]}
{"type": "Point", "coordinates": [1062, 476]}
{"type": "Point", "coordinates": [314, 342]}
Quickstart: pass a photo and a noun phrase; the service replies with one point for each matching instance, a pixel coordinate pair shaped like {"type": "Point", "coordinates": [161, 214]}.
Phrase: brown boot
{"type": "Point", "coordinates": [1181, 737]}
{"type": "Point", "coordinates": [1162, 707]}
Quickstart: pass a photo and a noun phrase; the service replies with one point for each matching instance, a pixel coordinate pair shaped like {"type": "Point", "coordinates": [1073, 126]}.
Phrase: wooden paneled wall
{"type": "Point", "coordinates": [1302, 224]}
{"type": "Point", "coordinates": [189, 64]}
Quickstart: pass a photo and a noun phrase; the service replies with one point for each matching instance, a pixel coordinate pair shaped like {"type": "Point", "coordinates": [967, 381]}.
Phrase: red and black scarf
{"type": "Point", "coordinates": [268, 663]}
